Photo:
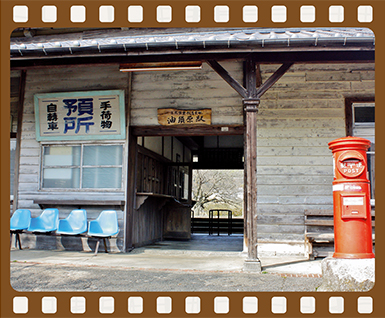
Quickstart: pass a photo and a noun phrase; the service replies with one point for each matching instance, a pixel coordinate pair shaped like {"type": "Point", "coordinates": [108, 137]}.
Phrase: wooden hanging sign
{"type": "Point", "coordinates": [173, 116]}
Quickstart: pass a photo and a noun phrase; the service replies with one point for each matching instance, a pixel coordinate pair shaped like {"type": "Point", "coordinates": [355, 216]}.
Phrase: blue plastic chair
{"type": "Point", "coordinates": [46, 222]}
{"type": "Point", "coordinates": [105, 226]}
{"type": "Point", "coordinates": [74, 224]}
{"type": "Point", "coordinates": [20, 222]}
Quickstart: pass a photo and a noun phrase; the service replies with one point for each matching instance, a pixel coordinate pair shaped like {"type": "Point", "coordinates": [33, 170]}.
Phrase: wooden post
{"type": "Point", "coordinates": [132, 166]}
{"type": "Point", "coordinates": [251, 107]}
{"type": "Point", "coordinates": [251, 104]}
{"type": "Point", "coordinates": [251, 96]}
{"type": "Point", "coordinates": [190, 183]}
{"type": "Point", "coordinates": [20, 107]}
{"type": "Point", "coordinates": [131, 191]}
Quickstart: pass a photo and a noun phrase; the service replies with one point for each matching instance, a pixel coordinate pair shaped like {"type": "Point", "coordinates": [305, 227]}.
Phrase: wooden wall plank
{"type": "Point", "coordinates": [295, 199]}
{"type": "Point", "coordinates": [294, 161]}
{"type": "Point", "coordinates": [333, 76]}
{"type": "Point", "coordinates": [287, 180]}
{"type": "Point", "coordinates": [294, 170]}
{"type": "Point", "coordinates": [303, 189]}
{"type": "Point", "coordinates": [292, 210]}
{"type": "Point", "coordinates": [303, 132]}
{"type": "Point", "coordinates": [293, 151]}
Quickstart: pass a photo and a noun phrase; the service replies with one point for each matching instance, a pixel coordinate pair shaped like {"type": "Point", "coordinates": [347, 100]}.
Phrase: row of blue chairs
{"type": "Point", "coordinates": [104, 226]}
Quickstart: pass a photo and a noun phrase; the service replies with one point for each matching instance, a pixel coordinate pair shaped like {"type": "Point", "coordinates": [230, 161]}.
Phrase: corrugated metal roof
{"type": "Point", "coordinates": [125, 40]}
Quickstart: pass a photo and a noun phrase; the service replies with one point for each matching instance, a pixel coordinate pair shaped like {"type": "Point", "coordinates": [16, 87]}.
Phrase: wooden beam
{"type": "Point", "coordinates": [189, 142]}
{"type": "Point", "coordinates": [273, 79]}
{"type": "Point", "coordinates": [259, 75]}
{"type": "Point", "coordinates": [132, 166]}
{"type": "Point", "coordinates": [20, 106]}
{"type": "Point", "coordinates": [190, 183]}
{"type": "Point", "coordinates": [204, 130]}
{"type": "Point", "coordinates": [78, 202]}
{"type": "Point", "coordinates": [227, 77]}
{"type": "Point", "coordinates": [251, 78]}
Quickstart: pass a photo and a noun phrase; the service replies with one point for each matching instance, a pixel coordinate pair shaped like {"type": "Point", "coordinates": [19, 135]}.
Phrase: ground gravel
{"type": "Point", "coordinates": [48, 277]}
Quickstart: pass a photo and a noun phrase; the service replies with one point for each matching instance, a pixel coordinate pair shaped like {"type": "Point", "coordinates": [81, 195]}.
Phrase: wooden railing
{"type": "Point", "coordinates": [219, 226]}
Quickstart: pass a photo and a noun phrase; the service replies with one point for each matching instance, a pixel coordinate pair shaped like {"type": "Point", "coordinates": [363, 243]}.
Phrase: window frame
{"type": "Point", "coordinates": [82, 166]}
{"type": "Point", "coordinates": [350, 104]}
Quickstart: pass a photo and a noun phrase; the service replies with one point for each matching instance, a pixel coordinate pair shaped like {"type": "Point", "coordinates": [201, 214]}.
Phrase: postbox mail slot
{"type": "Point", "coordinates": [351, 164]}
{"type": "Point", "coordinates": [353, 207]}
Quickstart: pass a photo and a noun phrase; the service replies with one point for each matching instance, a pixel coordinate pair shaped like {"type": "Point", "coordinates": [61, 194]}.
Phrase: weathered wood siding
{"type": "Point", "coordinates": [49, 81]}
{"type": "Point", "coordinates": [15, 87]}
{"type": "Point", "coordinates": [186, 89]}
{"type": "Point", "coordinates": [297, 118]}
{"type": "Point", "coordinates": [176, 221]}
{"type": "Point", "coordinates": [148, 226]}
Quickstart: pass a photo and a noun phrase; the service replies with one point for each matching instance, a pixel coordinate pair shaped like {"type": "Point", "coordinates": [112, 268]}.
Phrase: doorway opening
{"type": "Point", "coordinates": [189, 179]}
{"type": "Point", "coordinates": [218, 197]}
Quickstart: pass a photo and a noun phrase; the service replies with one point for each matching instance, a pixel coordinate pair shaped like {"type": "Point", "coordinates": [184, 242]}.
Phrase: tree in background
{"type": "Point", "coordinates": [217, 189]}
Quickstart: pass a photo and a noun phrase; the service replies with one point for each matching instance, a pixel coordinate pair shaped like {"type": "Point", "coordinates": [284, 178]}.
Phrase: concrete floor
{"type": "Point", "coordinates": [201, 253]}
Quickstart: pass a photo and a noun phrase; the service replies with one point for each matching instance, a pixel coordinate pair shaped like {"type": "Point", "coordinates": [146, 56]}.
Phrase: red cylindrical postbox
{"type": "Point", "coordinates": [351, 199]}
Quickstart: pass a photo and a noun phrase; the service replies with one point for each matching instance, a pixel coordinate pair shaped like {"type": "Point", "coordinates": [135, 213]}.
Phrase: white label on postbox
{"type": "Point", "coordinates": [352, 187]}
{"type": "Point", "coordinates": [353, 201]}
{"type": "Point", "coordinates": [338, 187]}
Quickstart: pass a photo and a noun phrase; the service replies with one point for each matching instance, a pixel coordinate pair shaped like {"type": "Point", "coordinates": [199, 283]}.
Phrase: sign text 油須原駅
{"type": "Point", "coordinates": [173, 116]}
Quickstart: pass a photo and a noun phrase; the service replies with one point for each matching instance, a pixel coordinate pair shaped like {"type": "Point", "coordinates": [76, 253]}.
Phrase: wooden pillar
{"type": "Point", "coordinates": [251, 103]}
{"type": "Point", "coordinates": [251, 108]}
{"type": "Point", "coordinates": [251, 96]}
{"type": "Point", "coordinates": [20, 107]}
{"type": "Point", "coordinates": [132, 167]}
{"type": "Point", "coordinates": [190, 183]}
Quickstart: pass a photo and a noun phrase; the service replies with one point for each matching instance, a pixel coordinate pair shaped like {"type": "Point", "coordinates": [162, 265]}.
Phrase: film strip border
{"type": "Point", "coordinates": [221, 14]}
{"type": "Point", "coordinates": [163, 15]}
{"type": "Point", "coordinates": [193, 304]}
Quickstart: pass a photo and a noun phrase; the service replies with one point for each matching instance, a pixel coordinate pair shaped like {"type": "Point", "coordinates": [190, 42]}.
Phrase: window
{"type": "Point", "coordinates": [82, 167]}
{"type": "Point", "coordinates": [363, 126]}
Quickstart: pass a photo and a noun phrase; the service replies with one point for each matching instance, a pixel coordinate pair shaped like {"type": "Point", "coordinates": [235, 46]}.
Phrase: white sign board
{"type": "Point", "coordinates": [80, 115]}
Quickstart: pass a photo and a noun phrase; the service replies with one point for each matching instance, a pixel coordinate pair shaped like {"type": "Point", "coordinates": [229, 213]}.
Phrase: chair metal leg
{"type": "Point", "coordinates": [18, 240]}
{"type": "Point", "coordinates": [105, 244]}
{"type": "Point", "coordinates": [97, 247]}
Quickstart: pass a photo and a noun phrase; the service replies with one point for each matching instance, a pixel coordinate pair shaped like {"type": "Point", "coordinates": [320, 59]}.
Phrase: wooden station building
{"type": "Point", "coordinates": [119, 118]}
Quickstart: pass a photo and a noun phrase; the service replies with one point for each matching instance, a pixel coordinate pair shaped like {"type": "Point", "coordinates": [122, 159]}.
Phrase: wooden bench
{"type": "Point", "coordinates": [319, 232]}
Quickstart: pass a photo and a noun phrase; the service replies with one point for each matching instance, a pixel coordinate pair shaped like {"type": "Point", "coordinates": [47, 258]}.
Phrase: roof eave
{"type": "Point", "coordinates": [312, 44]}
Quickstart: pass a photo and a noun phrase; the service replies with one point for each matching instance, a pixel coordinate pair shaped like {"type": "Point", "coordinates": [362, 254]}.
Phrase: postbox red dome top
{"type": "Point", "coordinates": [349, 143]}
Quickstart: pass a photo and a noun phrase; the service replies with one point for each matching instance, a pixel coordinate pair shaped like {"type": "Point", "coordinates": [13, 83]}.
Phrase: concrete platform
{"type": "Point", "coordinates": [202, 253]}
{"type": "Point", "coordinates": [347, 275]}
